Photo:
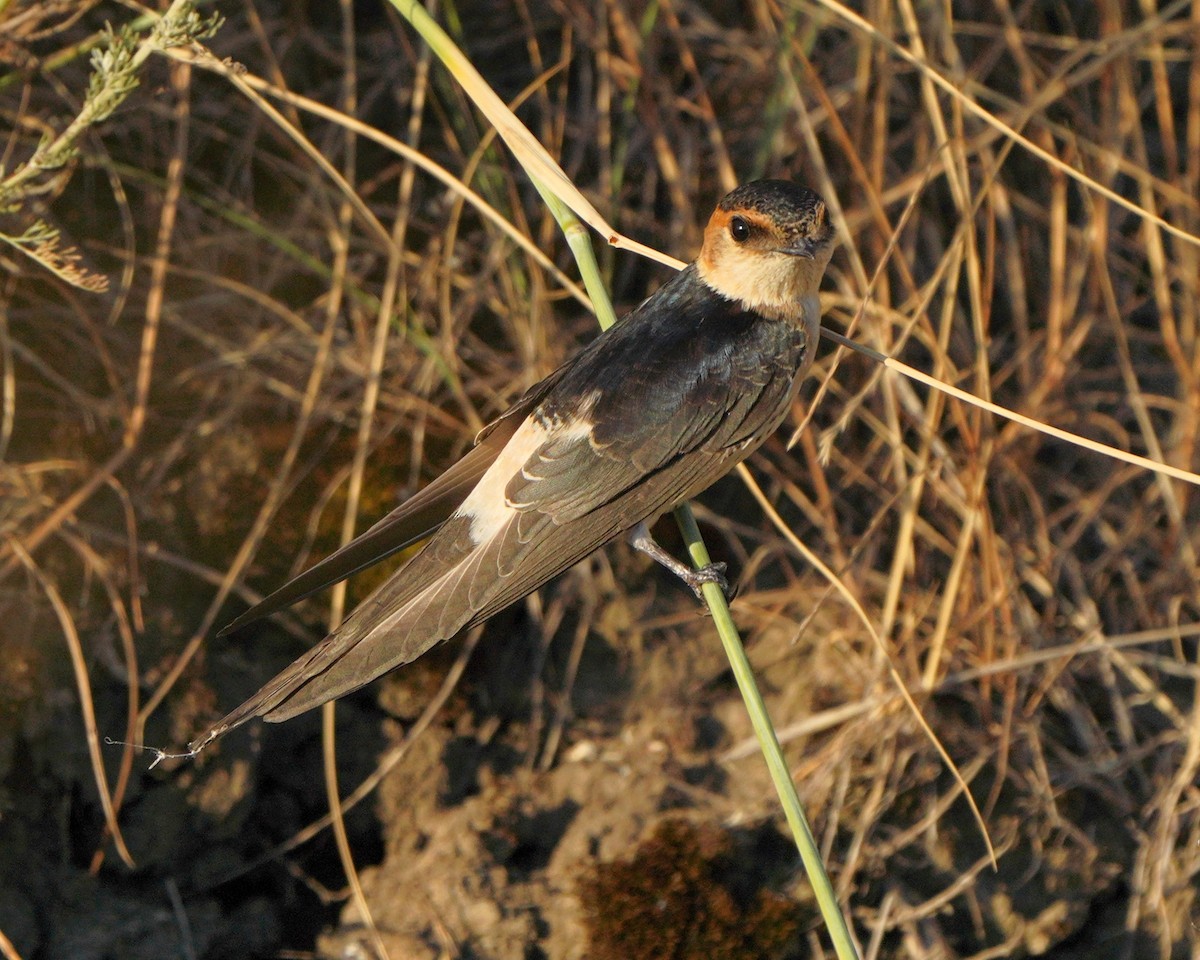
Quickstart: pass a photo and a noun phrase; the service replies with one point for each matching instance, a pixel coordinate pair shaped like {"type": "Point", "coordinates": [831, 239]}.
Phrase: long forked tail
{"type": "Point", "coordinates": [425, 602]}
{"type": "Point", "coordinates": [451, 584]}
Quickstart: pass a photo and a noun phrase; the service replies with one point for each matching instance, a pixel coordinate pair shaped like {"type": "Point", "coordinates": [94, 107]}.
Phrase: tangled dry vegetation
{"type": "Point", "coordinates": [302, 324]}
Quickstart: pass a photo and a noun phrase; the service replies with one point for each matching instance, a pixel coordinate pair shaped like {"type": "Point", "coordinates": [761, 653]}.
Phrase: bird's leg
{"type": "Point", "coordinates": [640, 539]}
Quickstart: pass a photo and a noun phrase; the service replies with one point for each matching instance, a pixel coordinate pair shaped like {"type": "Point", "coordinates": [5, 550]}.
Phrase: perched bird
{"type": "Point", "coordinates": [648, 415]}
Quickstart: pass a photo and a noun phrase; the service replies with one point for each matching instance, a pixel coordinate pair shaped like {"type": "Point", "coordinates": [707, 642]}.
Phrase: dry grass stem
{"type": "Point", "coordinates": [326, 270]}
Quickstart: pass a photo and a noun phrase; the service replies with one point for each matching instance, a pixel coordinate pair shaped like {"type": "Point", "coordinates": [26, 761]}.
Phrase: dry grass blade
{"type": "Point", "coordinates": [338, 822]}
{"type": "Point", "coordinates": [9, 951]}
{"type": "Point", "coordinates": [1016, 187]}
{"type": "Point", "coordinates": [83, 685]}
{"type": "Point", "coordinates": [1041, 153]}
{"type": "Point", "coordinates": [898, 681]}
{"type": "Point", "coordinates": [394, 245]}
{"type": "Point", "coordinates": [1146, 463]}
{"type": "Point", "coordinates": [836, 716]}
{"type": "Point", "coordinates": [258, 85]}
{"type": "Point", "coordinates": [528, 150]}
{"type": "Point", "coordinates": [64, 509]}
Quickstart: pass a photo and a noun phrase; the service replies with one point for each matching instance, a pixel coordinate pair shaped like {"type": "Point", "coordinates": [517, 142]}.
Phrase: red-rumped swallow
{"type": "Point", "coordinates": [648, 415]}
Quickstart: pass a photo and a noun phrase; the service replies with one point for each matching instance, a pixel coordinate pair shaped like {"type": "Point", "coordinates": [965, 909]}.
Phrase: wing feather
{"type": "Point", "coordinates": [626, 434]}
{"type": "Point", "coordinates": [412, 521]}
{"type": "Point", "coordinates": [453, 584]}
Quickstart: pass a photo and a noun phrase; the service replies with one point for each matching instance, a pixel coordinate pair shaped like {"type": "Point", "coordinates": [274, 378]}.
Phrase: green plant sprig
{"type": "Point", "coordinates": [116, 65]}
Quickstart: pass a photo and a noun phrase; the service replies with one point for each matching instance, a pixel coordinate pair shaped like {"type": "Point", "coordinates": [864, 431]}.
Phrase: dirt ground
{"type": "Point", "coordinates": [626, 813]}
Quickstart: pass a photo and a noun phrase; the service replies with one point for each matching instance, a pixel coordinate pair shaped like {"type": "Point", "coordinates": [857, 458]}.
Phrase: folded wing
{"type": "Point", "coordinates": [645, 417]}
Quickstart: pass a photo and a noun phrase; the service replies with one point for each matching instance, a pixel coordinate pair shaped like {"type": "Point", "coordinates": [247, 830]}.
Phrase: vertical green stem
{"type": "Point", "coordinates": [839, 931]}
{"type": "Point", "coordinates": [577, 237]}
{"type": "Point", "coordinates": [764, 730]}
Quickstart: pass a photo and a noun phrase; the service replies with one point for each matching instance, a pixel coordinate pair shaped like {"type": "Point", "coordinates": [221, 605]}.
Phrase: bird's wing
{"type": "Point", "coordinates": [412, 521]}
{"type": "Point", "coordinates": [701, 376]}
{"type": "Point", "coordinates": [456, 582]}
{"type": "Point", "coordinates": [643, 418]}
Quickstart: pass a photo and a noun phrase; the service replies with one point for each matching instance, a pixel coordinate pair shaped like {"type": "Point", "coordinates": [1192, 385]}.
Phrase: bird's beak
{"type": "Point", "coordinates": [801, 247]}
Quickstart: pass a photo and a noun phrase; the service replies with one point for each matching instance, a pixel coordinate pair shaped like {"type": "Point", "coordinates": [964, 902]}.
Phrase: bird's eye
{"type": "Point", "coordinates": [739, 229]}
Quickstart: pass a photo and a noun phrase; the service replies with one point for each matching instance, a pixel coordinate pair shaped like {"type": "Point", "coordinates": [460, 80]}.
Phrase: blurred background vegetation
{"type": "Point", "coordinates": [243, 253]}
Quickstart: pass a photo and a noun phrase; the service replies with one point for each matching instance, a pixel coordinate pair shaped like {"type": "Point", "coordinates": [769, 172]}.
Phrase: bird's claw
{"type": "Point", "coordinates": [709, 573]}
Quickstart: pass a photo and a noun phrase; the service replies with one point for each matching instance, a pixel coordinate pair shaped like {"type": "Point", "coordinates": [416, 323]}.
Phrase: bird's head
{"type": "Point", "coordinates": [766, 246]}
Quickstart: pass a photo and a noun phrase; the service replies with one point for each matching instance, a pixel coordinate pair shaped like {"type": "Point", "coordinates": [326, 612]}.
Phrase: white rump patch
{"type": "Point", "coordinates": [487, 506]}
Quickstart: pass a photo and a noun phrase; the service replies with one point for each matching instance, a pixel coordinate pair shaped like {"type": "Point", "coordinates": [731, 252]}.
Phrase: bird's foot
{"type": "Point", "coordinates": [710, 573]}
{"type": "Point", "coordinates": [640, 539]}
